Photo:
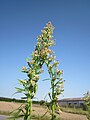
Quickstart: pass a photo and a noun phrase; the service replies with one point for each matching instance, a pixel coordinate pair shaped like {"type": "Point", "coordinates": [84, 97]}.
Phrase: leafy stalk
{"type": "Point", "coordinates": [42, 54]}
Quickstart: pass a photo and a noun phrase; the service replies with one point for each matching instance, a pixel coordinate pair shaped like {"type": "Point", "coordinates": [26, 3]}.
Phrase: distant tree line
{"type": "Point", "coordinates": [11, 100]}
{"type": "Point", "coordinates": [19, 100]}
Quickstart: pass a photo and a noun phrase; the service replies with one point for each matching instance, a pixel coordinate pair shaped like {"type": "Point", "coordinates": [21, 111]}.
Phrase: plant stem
{"type": "Point", "coordinates": [53, 103]}
{"type": "Point", "coordinates": [28, 109]}
{"type": "Point", "coordinates": [29, 106]}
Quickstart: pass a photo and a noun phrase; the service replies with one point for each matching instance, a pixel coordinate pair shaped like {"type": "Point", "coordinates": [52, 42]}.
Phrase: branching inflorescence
{"type": "Point", "coordinates": [41, 55]}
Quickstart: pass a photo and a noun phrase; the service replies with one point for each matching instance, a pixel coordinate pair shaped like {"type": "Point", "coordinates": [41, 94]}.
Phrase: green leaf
{"type": "Point", "coordinates": [46, 79]}
{"type": "Point", "coordinates": [20, 90]}
{"type": "Point", "coordinates": [27, 59]}
{"type": "Point", "coordinates": [16, 93]}
{"type": "Point", "coordinates": [35, 88]}
{"type": "Point", "coordinates": [16, 114]}
{"type": "Point", "coordinates": [59, 82]}
{"type": "Point", "coordinates": [15, 117]}
{"type": "Point", "coordinates": [49, 95]}
{"type": "Point", "coordinates": [29, 118]}
{"type": "Point", "coordinates": [22, 82]}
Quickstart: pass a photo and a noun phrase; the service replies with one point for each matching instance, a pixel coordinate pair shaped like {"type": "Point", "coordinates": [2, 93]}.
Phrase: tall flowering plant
{"type": "Point", "coordinates": [55, 74]}
{"type": "Point", "coordinates": [42, 54]}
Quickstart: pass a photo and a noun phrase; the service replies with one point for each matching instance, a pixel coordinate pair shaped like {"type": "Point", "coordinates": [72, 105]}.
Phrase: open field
{"type": "Point", "coordinates": [6, 107]}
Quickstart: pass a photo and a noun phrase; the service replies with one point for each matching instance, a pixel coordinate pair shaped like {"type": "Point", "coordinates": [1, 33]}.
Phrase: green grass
{"type": "Point", "coordinates": [38, 117]}
{"type": "Point", "coordinates": [74, 110]}
{"type": "Point", "coordinates": [7, 113]}
{"type": "Point", "coordinates": [34, 117]}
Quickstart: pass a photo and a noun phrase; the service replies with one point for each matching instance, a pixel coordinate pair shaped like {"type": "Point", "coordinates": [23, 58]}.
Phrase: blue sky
{"type": "Point", "coordinates": [22, 21]}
